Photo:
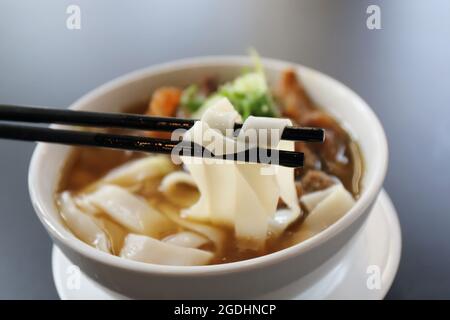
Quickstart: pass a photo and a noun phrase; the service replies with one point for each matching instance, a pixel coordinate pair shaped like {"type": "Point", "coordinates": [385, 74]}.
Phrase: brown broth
{"type": "Point", "coordinates": [86, 165]}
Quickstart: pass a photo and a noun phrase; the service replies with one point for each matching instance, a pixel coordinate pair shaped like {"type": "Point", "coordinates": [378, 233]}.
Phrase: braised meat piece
{"type": "Point", "coordinates": [209, 85]}
{"type": "Point", "coordinates": [293, 98]}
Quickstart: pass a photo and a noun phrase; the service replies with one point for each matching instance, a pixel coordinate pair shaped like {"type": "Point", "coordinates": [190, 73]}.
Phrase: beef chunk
{"type": "Point", "coordinates": [209, 85]}
{"type": "Point", "coordinates": [333, 151]}
{"type": "Point", "coordinates": [293, 97]}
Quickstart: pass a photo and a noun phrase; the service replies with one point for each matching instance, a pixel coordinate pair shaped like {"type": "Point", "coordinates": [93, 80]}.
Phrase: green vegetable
{"type": "Point", "coordinates": [248, 93]}
{"type": "Point", "coordinates": [191, 99]}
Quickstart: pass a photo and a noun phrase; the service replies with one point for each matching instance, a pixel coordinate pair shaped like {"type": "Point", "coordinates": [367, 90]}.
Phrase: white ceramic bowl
{"type": "Point", "coordinates": [244, 279]}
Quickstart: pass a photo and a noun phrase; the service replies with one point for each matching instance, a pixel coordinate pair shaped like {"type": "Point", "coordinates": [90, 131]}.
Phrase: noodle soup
{"type": "Point", "coordinates": [139, 206]}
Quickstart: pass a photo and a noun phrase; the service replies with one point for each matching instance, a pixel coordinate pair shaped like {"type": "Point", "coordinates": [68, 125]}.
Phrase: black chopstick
{"type": "Point", "coordinates": [143, 144]}
{"type": "Point", "coordinates": [129, 121]}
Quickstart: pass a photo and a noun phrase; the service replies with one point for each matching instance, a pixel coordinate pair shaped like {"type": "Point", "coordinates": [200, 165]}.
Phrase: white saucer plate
{"type": "Point", "coordinates": [364, 269]}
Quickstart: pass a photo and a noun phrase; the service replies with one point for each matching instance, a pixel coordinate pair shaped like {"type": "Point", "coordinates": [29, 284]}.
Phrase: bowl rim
{"type": "Point", "coordinates": [63, 235]}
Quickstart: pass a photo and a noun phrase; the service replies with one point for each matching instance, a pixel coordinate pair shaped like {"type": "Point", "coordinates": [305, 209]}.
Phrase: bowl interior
{"type": "Point", "coordinates": [130, 89]}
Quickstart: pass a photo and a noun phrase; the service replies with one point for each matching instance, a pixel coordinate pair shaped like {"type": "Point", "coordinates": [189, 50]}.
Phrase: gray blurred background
{"type": "Point", "coordinates": [402, 71]}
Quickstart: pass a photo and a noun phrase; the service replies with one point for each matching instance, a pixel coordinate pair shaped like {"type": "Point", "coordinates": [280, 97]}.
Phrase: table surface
{"type": "Point", "coordinates": [401, 70]}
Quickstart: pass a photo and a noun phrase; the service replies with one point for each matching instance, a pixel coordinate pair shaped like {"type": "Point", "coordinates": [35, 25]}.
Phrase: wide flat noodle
{"type": "Point", "coordinates": [129, 210]}
{"type": "Point", "coordinates": [85, 227]}
{"type": "Point", "coordinates": [283, 218]}
{"type": "Point", "coordinates": [216, 203]}
{"type": "Point", "coordinates": [330, 209]}
{"type": "Point", "coordinates": [186, 239]}
{"type": "Point", "coordinates": [267, 131]}
{"type": "Point", "coordinates": [179, 188]}
{"type": "Point", "coordinates": [145, 249]}
{"type": "Point", "coordinates": [222, 116]}
{"type": "Point", "coordinates": [253, 212]}
{"type": "Point", "coordinates": [214, 234]}
{"type": "Point", "coordinates": [137, 171]}
{"type": "Point", "coordinates": [172, 179]}
{"type": "Point", "coordinates": [286, 182]}
{"type": "Point", "coordinates": [284, 176]}
{"type": "Point", "coordinates": [86, 206]}
{"type": "Point", "coordinates": [116, 234]}
{"type": "Point", "coordinates": [311, 200]}
{"type": "Point", "coordinates": [237, 194]}
{"type": "Point", "coordinates": [280, 221]}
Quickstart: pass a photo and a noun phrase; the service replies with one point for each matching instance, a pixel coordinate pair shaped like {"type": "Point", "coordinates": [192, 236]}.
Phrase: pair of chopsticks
{"type": "Point", "coordinates": [128, 142]}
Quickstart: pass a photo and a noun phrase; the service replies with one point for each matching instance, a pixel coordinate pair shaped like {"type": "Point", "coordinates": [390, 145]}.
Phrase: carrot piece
{"type": "Point", "coordinates": [164, 103]}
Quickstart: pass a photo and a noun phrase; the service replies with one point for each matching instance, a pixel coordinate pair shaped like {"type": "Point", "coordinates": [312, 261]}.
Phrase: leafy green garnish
{"type": "Point", "coordinates": [191, 99]}
{"type": "Point", "coordinates": [248, 93]}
